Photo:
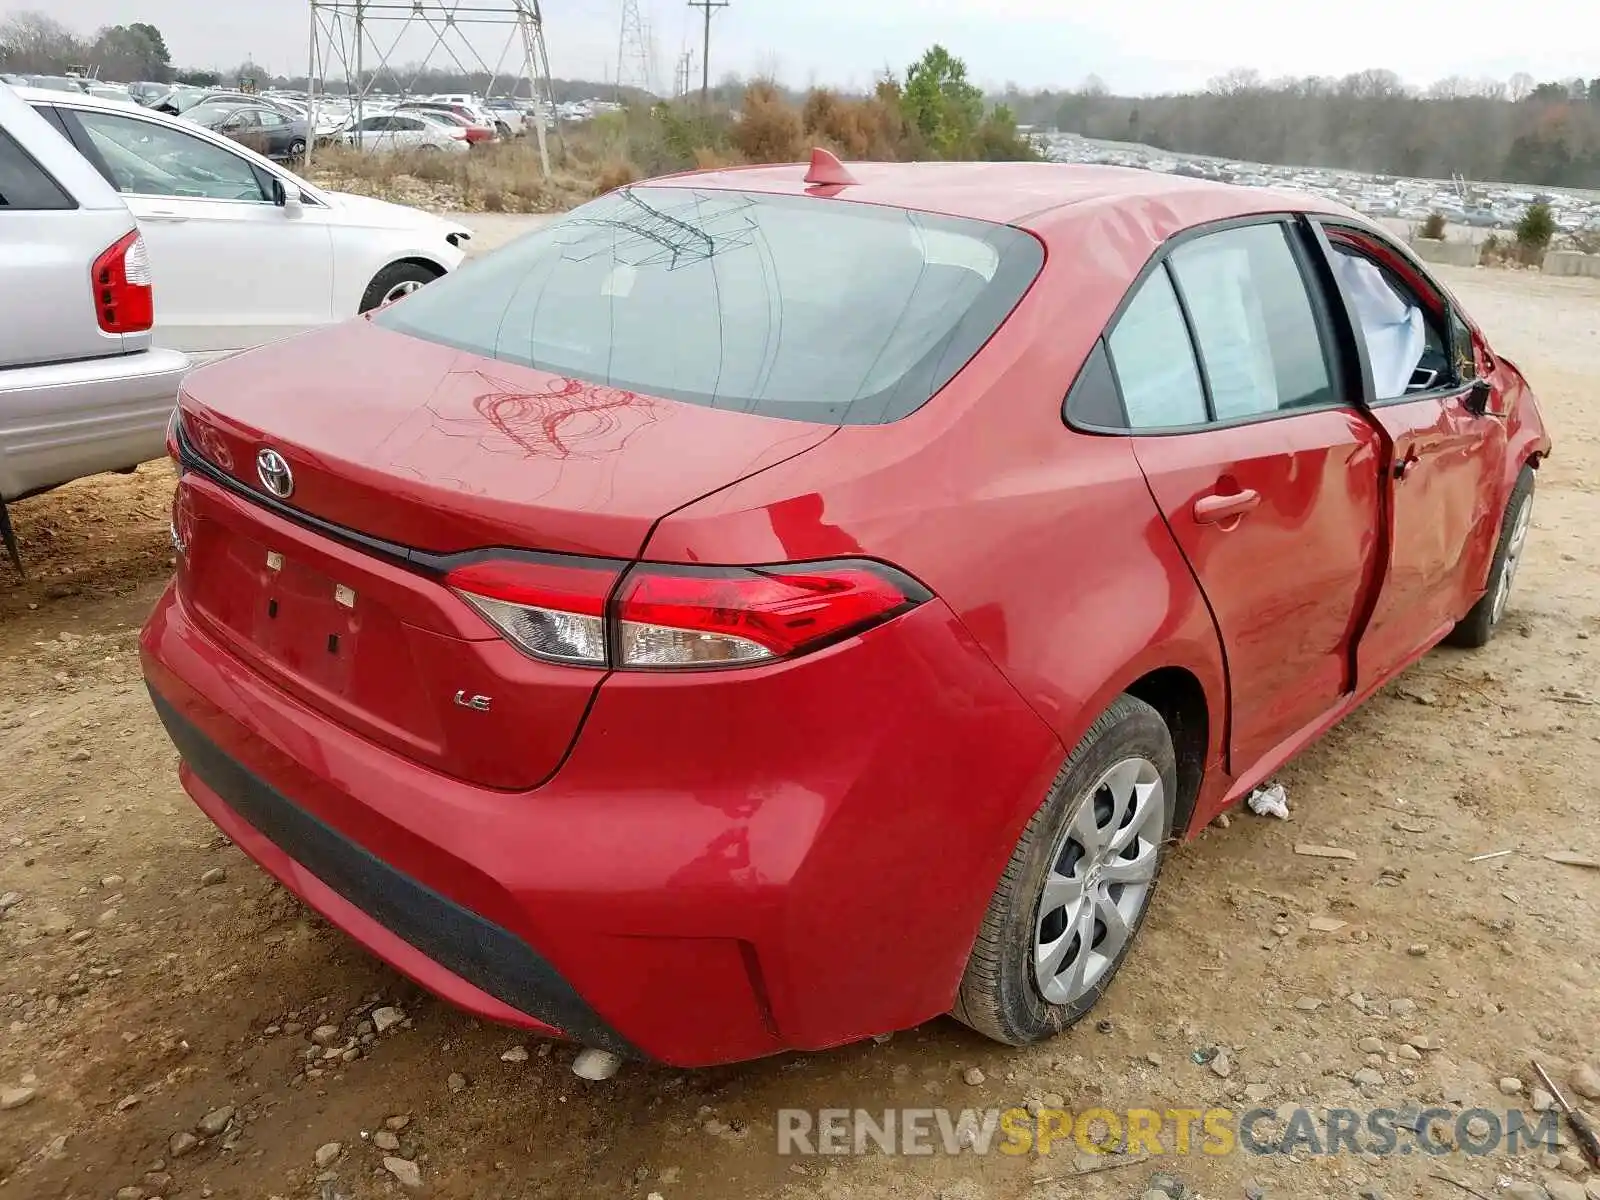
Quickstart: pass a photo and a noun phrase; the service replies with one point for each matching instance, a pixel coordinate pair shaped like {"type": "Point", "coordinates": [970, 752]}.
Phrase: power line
{"type": "Point", "coordinates": [705, 54]}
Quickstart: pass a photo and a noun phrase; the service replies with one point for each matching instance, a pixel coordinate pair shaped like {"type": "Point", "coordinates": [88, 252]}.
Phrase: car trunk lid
{"type": "Point", "coordinates": [334, 591]}
{"type": "Point", "coordinates": [441, 450]}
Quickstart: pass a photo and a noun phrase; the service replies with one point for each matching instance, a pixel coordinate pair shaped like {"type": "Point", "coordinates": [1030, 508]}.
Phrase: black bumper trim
{"type": "Point", "coordinates": [479, 951]}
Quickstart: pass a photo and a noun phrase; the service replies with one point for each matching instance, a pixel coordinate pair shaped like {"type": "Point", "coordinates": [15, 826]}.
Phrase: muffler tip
{"type": "Point", "coordinates": [595, 1064]}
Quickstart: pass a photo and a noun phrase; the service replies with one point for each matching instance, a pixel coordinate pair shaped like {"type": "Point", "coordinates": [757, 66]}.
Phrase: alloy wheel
{"type": "Point", "coordinates": [1508, 568]}
{"type": "Point", "coordinates": [1102, 870]}
{"type": "Point", "coordinates": [404, 288]}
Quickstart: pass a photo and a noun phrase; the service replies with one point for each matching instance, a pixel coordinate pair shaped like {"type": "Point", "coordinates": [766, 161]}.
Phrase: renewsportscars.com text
{"type": "Point", "coordinates": [1209, 1131]}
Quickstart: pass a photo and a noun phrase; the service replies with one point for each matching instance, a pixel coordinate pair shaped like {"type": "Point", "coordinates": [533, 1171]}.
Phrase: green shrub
{"type": "Point", "coordinates": [1534, 231]}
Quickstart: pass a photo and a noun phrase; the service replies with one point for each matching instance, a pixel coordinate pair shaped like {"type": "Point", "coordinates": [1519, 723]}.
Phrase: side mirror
{"type": "Point", "coordinates": [1479, 393]}
{"type": "Point", "coordinates": [287, 197]}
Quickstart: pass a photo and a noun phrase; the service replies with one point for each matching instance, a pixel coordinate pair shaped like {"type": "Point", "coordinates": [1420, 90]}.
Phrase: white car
{"type": "Point", "coordinates": [329, 120]}
{"type": "Point", "coordinates": [414, 130]}
{"type": "Point", "coordinates": [82, 389]}
{"type": "Point", "coordinates": [505, 112]}
{"type": "Point", "coordinates": [242, 250]}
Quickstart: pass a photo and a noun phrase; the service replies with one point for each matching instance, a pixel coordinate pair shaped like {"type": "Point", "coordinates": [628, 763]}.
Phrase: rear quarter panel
{"type": "Point", "coordinates": [1045, 542]}
{"type": "Point", "coordinates": [1527, 441]}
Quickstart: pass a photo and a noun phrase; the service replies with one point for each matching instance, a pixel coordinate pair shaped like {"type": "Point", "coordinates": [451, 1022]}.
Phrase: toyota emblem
{"type": "Point", "coordinates": [274, 473]}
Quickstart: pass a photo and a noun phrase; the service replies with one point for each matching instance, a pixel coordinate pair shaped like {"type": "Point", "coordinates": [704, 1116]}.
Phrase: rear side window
{"type": "Point", "coordinates": [789, 306]}
{"type": "Point", "coordinates": [1154, 360]}
{"type": "Point", "coordinates": [24, 183]}
{"type": "Point", "coordinates": [1253, 321]}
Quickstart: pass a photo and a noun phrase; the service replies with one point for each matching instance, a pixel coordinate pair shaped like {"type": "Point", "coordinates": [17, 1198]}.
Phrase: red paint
{"type": "Point", "coordinates": [727, 863]}
{"type": "Point", "coordinates": [827, 171]}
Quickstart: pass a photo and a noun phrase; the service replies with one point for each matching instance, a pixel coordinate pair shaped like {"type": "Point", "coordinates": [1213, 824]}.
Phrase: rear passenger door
{"type": "Point", "coordinates": [1443, 460]}
{"type": "Point", "coordinates": [1264, 468]}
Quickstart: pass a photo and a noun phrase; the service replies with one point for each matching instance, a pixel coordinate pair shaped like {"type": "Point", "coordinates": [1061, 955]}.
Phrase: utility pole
{"type": "Point", "coordinates": [683, 74]}
{"type": "Point", "coordinates": [705, 54]}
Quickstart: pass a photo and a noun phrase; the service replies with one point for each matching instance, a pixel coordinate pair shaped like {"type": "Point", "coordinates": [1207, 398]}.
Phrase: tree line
{"type": "Point", "coordinates": [35, 44]}
{"type": "Point", "coordinates": [1516, 131]}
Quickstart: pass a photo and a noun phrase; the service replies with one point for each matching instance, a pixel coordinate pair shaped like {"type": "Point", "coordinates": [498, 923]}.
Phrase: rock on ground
{"type": "Point", "coordinates": [404, 1170]}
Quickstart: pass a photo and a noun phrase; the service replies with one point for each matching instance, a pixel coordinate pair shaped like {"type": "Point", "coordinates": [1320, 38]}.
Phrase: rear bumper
{"type": "Point", "coordinates": [67, 420]}
{"type": "Point", "coordinates": [784, 858]}
{"type": "Point", "coordinates": [352, 887]}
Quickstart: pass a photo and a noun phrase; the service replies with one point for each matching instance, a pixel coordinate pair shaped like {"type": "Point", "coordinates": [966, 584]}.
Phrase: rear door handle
{"type": "Point", "coordinates": [1222, 506]}
{"type": "Point", "coordinates": [165, 214]}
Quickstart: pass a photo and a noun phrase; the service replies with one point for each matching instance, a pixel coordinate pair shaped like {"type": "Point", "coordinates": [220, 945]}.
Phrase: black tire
{"type": "Point", "coordinates": [391, 277]}
{"type": "Point", "coordinates": [502, 129]}
{"type": "Point", "coordinates": [297, 148]}
{"type": "Point", "coordinates": [1478, 626]}
{"type": "Point", "coordinates": [1000, 996]}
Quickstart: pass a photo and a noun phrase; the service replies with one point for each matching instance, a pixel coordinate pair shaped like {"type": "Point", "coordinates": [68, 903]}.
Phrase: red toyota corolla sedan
{"type": "Point", "coordinates": [766, 608]}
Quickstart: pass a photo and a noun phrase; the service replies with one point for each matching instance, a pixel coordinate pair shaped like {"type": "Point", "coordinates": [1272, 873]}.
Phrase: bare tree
{"type": "Point", "coordinates": [32, 41]}
{"type": "Point", "coordinates": [1235, 82]}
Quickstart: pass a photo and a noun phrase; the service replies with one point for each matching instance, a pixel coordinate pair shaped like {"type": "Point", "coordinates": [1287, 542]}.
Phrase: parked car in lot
{"type": "Point", "coordinates": [510, 121]}
{"type": "Point", "coordinates": [330, 120]}
{"type": "Point", "coordinates": [770, 607]}
{"type": "Point", "coordinates": [82, 389]}
{"type": "Point", "coordinates": [479, 125]}
{"type": "Point", "coordinates": [410, 131]}
{"type": "Point", "coordinates": [243, 251]}
{"type": "Point", "coordinates": [59, 83]}
{"type": "Point", "coordinates": [149, 93]}
{"type": "Point", "coordinates": [265, 130]}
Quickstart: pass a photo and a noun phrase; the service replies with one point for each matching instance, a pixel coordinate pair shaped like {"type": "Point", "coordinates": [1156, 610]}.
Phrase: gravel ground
{"type": "Point", "coordinates": [172, 1023]}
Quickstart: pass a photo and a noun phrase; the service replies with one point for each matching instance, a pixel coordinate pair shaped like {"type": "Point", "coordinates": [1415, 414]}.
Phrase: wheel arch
{"type": "Point", "coordinates": [1179, 696]}
{"type": "Point", "coordinates": [420, 260]}
{"type": "Point", "coordinates": [1186, 681]}
{"type": "Point", "coordinates": [432, 265]}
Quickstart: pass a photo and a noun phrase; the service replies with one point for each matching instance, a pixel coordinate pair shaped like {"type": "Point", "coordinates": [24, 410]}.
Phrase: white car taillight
{"type": "Point", "coordinates": [662, 616]}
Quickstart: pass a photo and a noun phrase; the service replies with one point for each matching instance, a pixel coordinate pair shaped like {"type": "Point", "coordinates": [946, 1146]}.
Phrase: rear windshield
{"type": "Point", "coordinates": [789, 306]}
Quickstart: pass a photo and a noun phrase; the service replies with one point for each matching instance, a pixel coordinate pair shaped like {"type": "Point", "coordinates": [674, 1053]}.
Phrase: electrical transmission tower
{"type": "Point", "coordinates": [635, 58]}
{"type": "Point", "coordinates": [683, 74]}
{"type": "Point", "coordinates": [708, 7]}
{"type": "Point", "coordinates": [354, 41]}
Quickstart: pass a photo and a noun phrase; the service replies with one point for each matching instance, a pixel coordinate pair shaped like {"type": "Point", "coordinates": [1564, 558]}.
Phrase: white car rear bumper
{"type": "Point", "coordinates": [67, 420]}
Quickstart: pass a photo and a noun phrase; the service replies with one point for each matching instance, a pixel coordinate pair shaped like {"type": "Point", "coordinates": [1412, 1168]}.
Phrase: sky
{"type": "Point", "coordinates": [1135, 46]}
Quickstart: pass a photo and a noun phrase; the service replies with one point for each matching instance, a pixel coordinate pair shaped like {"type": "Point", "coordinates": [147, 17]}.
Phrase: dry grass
{"type": "Point", "coordinates": [504, 177]}
{"type": "Point", "coordinates": [640, 142]}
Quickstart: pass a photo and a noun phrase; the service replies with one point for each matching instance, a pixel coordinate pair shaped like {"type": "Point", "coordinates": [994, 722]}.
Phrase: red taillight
{"type": "Point", "coordinates": [123, 299]}
{"type": "Point", "coordinates": [698, 617]}
{"type": "Point", "coordinates": [475, 134]}
{"type": "Point", "coordinates": [678, 616]}
{"type": "Point", "coordinates": [552, 610]}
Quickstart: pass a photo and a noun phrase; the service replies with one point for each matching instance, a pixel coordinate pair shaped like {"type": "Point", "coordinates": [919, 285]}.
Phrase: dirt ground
{"type": "Point", "coordinates": [158, 993]}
